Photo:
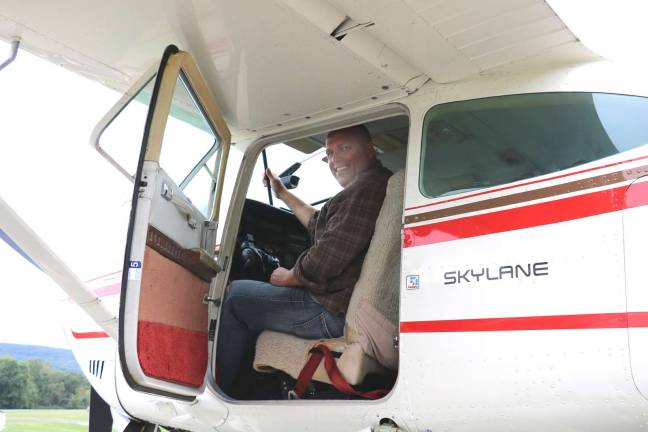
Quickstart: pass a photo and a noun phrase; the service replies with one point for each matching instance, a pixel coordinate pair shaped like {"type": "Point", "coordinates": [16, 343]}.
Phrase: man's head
{"type": "Point", "coordinates": [350, 152]}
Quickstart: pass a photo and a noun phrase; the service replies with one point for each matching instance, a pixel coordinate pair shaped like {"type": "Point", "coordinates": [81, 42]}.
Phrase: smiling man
{"type": "Point", "coordinates": [310, 299]}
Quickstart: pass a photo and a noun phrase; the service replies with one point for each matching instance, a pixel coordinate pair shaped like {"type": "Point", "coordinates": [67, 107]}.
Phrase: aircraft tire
{"type": "Point", "coordinates": [134, 426]}
{"type": "Point", "coordinates": [100, 416]}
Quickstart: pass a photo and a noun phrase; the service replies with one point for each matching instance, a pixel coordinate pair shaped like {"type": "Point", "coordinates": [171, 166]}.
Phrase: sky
{"type": "Point", "coordinates": [615, 29]}
{"type": "Point", "coordinates": [62, 188]}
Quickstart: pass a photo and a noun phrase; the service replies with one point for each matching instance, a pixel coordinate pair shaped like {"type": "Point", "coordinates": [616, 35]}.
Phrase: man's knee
{"type": "Point", "coordinates": [241, 288]}
{"type": "Point", "coordinates": [243, 294]}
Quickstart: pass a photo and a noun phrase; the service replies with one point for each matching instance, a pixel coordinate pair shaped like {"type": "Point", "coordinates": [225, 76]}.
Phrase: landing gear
{"type": "Point", "coordinates": [100, 416]}
{"type": "Point", "coordinates": [142, 427]}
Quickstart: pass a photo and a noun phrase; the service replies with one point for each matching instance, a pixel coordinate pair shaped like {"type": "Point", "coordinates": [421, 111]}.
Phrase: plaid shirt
{"type": "Point", "coordinates": [340, 234]}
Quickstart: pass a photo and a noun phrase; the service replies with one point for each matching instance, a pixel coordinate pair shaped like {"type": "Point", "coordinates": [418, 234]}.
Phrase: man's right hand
{"type": "Point", "coordinates": [302, 210]}
{"type": "Point", "coordinates": [275, 183]}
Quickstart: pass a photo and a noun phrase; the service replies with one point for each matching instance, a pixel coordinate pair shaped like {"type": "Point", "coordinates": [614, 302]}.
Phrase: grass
{"type": "Point", "coordinates": [47, 420]}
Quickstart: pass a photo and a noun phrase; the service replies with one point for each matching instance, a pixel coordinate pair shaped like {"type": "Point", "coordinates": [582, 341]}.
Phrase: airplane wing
{"type": "Point", "coordinates": [27, 243]}
{"type": "Point", "coordinates": [272, 62]}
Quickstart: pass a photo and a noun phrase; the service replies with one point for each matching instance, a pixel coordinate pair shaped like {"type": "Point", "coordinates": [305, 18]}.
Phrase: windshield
{"type": "Point", "coordinates": [316, 183]}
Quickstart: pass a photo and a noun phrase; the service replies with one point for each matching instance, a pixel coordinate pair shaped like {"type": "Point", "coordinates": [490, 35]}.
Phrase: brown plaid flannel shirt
{"type": "Point", "coordinates": [340, 234]}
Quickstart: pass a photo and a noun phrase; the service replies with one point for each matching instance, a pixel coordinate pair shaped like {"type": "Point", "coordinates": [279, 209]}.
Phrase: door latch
{"type": "Point", "coordinates": [216, 301]}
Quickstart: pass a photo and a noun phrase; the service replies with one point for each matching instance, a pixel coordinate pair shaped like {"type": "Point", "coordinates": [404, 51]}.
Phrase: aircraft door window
{"type": "Point", "coordinates": [121, 139]}
{"type": "Point", "coordinates": [487, 142]}
{"type": "Point", "coordinates": [189, 148]}
{"type": "Point", "coordinates": [200, 188]}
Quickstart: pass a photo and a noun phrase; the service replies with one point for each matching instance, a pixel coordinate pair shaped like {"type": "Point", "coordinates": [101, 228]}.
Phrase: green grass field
{"type": "Point", "coordinates": [46, 420]}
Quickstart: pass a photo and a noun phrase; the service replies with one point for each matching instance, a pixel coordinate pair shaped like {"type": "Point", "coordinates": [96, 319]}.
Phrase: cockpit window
{"type": "Point", "coordinates": [487, 142]}
{"type": "Point", "coordinates": [316, 184]}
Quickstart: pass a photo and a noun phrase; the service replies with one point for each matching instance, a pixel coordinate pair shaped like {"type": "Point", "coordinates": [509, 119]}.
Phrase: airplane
{"type": "Point", "coordinates": [503, 288]}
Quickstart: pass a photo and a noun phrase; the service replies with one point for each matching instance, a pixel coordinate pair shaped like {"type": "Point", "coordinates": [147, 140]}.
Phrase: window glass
{"type": "Point", "coordinates": [189, 148]}
{"type": "Point", "coordinates": [122, 138]}
{"type": "Point", "coordinates": [480, 143]}
{"type": "Point", "coordinates": [201, 188]}
{"type": "Point", "coordinates": [316, 183]}
{"type": "Point", "coordinates": [187, 136]}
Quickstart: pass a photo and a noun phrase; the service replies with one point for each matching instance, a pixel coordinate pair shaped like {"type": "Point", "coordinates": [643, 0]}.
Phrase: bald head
{"type": "Point", "coordinates": [358, 133]}
{"type": "Point", "coordinates": [350, 152]}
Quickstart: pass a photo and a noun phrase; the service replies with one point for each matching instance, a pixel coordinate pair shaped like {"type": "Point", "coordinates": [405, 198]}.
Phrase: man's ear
{"type": "Point", "coordinates": [371, 151]}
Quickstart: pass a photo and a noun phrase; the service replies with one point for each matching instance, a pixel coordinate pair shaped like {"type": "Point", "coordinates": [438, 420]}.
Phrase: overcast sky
{"type": "Point", "coordinates": [59, 185]}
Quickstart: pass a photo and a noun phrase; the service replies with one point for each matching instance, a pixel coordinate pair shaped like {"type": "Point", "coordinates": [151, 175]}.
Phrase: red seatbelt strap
{"type": "Point", "coordinates": [307, 372]}
{"type": "Point", "coordinates": [334, 374]}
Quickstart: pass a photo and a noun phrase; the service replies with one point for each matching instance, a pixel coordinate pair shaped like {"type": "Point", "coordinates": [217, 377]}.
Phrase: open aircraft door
{"type": "Point", "coordinates": [170, 251]}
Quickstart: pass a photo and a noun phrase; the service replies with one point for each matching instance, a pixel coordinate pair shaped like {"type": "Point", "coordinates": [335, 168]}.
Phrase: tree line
{"type": "Point", "coordinates": [35, 384]}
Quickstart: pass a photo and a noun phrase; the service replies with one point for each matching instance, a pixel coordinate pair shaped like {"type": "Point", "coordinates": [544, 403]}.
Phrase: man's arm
{"type": "Point", "coordinates": [303, 211]}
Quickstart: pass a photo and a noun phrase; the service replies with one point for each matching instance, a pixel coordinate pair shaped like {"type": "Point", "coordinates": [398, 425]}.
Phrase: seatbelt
{"type": "Point", "coordinates": [334, 374]}
{"type": "Point", "coordinates": [307, 372]}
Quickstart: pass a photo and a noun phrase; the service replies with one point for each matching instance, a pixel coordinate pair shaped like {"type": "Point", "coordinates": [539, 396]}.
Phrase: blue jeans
{"type": "Point", "coordinates": [252, 306]}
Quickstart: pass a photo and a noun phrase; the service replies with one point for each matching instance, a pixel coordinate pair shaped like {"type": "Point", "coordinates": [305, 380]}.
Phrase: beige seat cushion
{"type": "Point", "coordinates": [280, 351]}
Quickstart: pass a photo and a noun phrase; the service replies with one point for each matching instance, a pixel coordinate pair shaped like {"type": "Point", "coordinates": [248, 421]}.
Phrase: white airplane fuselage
{"type": "Point", "coordinates": [522, 301]}
{"type": "Point", "coordinates": [527, 313]}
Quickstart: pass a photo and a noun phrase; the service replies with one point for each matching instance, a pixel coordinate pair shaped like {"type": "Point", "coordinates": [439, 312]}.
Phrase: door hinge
{"type": "Point", "coordinates": [212, 329]}
{"type": "Point", "coordinates": [208, 234]}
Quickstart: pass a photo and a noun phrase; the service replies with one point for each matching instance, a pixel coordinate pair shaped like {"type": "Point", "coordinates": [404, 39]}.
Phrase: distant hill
{"type": "Point", "coordinates": [61, 359]}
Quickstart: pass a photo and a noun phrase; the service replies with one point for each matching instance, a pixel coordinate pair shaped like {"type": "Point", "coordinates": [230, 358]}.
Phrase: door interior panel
{"type": "Point", "coordinates": [172, 323]}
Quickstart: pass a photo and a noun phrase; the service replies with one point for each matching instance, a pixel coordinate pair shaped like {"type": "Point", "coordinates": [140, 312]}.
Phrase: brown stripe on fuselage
{"type": "Point", "coordinates": [575, 186]}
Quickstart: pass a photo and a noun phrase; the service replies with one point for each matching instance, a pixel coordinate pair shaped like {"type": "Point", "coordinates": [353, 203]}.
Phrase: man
{"type": "Point", "coordinates": [310, 299]}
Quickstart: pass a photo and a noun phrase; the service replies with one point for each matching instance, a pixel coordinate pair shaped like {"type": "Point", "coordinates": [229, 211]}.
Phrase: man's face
{"type": "Point", "coordinates": [347, 157]}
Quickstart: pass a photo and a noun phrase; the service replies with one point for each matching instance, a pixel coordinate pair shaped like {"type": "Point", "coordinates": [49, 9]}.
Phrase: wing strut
{"type": "Point", "coordinates": [44, 258]}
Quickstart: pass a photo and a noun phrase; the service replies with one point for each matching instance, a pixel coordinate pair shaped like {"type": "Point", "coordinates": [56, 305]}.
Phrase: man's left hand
{"type": "Point", "coordinates": [284, 277]}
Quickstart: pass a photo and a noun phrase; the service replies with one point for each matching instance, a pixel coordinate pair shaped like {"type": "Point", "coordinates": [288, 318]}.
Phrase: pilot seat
{"type": "Point", "coordinates": [369, 344]}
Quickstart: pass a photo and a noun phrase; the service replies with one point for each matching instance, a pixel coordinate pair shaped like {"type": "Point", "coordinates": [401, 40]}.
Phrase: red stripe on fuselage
{"type": "Point", "coordinates": [561, 210]}
{"type": "Point", "coordinates": [108, 290]}
{"type": "Point", "coordinates": [89, 335]}
{"type": "Point", "coordinates": [555, 322]}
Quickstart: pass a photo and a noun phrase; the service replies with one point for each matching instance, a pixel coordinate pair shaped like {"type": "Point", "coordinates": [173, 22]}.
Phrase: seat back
{"type": "Point", "coordinates": [372, 316]}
